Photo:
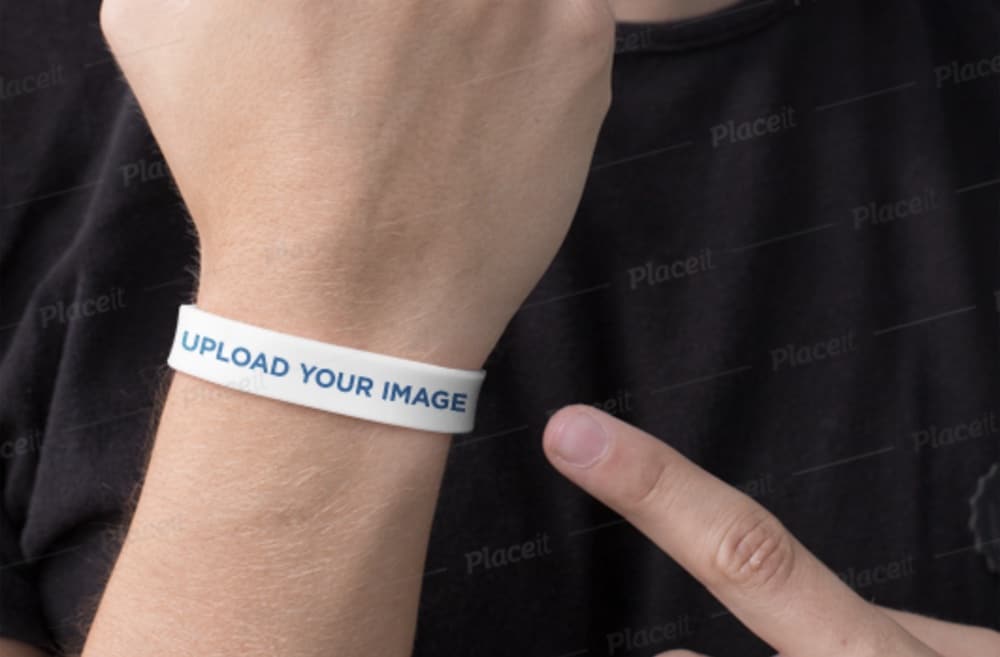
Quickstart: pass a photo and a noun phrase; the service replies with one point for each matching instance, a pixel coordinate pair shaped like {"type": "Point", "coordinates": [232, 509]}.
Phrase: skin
{"type": "Point", "coordinates": [414, 222]}
{"type": "Point", "coordinates": [738, 550]}
{"type": "Point", "coordinates": [288, 557]}
{"type": "Point", "coordinates": [10, 648]}
{"type": "Point", "coordinates": [638, 11]}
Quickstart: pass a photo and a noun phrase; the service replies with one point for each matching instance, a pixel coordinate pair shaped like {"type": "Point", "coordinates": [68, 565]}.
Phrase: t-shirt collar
{"type": "Point", "coordinates": [710, 29]}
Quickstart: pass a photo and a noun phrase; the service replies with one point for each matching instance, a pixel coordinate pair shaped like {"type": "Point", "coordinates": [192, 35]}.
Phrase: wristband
{"type": "Point", "coordinates": [327, 377]}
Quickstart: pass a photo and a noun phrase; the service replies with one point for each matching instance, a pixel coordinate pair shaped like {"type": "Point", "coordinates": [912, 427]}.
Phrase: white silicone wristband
{"type": "Point", "coordinates": [327, 377]}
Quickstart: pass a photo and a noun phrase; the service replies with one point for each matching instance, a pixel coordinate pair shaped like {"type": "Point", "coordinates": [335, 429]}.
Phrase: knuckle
{"type": "Point", "coordinates": [755, 553]}
{"type": "Point", "coordinates": [650, 490]}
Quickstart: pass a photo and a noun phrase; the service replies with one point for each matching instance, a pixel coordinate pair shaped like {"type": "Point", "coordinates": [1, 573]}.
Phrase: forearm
{"type": "Point", "coordinates": [420, 209]}
{"type": "Point", "coordinates": [276, 529]}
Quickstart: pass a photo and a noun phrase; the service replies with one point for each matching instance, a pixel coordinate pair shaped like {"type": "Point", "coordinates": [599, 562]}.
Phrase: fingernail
{"type": "Point", "coordinates": [581, 441]}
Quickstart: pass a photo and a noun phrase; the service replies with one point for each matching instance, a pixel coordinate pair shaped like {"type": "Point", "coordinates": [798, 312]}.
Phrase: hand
{"type": "Point", "coordinates": [740, 551]}
{"type": "Point", "coordinates": [418, 162]}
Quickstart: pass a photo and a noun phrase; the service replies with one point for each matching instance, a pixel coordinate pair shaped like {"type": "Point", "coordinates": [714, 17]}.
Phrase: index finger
{"type": "Point", "coordinates": [725, 539]}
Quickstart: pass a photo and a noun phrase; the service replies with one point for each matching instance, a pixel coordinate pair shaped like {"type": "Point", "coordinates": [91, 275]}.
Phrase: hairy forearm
{"type": "Point", "coordinates": [417, 209]}
{"type": "Point", "coordinates": [265, 528]}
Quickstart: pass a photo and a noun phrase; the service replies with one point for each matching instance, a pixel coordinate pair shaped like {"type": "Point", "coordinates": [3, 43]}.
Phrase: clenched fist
{"type": "Point", "coordinates": [418, 161]}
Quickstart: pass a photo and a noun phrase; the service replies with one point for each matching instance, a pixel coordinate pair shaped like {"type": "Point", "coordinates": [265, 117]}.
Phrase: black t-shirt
{"type": "Point", "coordinates": [785, 264]}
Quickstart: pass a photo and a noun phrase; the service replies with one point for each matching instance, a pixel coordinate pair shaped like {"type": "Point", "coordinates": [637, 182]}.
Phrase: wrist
{"type": "Point", "coordinates": [301, 301]}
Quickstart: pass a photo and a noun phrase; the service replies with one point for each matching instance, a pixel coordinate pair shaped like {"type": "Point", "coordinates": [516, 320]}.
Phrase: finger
{"type": "Point", "coordinates": [949, 639]}
{"type": "Point", "coordinates": [738, 550]}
